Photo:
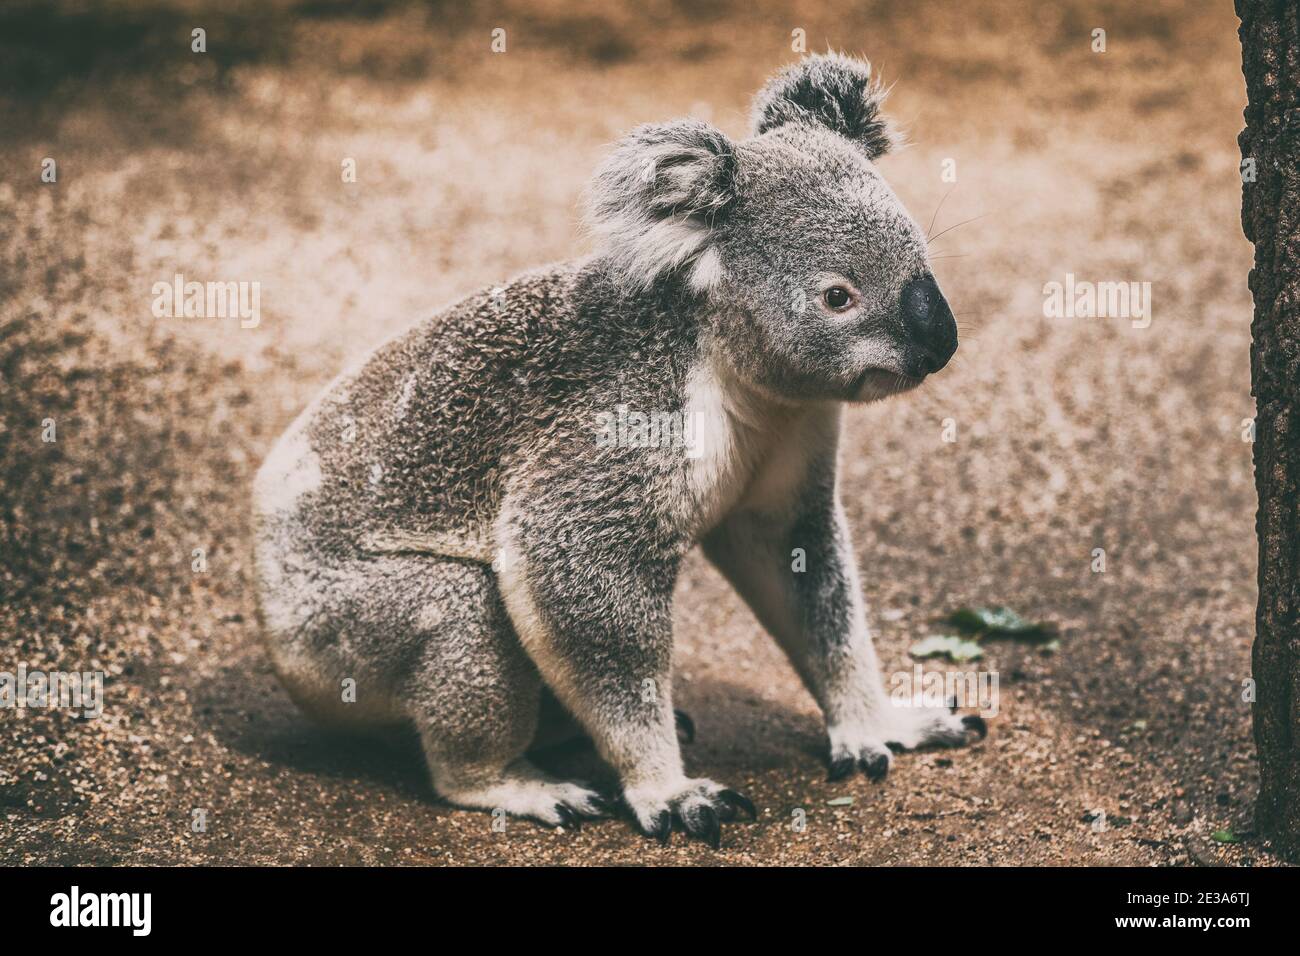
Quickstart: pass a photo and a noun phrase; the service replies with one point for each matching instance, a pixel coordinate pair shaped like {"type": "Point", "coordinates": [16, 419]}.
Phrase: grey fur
{"type": "Point", "coordinates": [834, 90]}
{"type": "Point", "coordinates": [473, 438]}
{"type": "Point", "coordinates": [655, 198]}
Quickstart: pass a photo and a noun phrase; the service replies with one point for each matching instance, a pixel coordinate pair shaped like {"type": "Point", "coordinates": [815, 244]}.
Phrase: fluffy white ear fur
{"type": "Point", "coordinates": [656, 199]}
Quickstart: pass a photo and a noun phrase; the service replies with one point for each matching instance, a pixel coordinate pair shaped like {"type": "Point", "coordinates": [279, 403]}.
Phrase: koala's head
{"type": "Point", "coordinates": [816, 276]}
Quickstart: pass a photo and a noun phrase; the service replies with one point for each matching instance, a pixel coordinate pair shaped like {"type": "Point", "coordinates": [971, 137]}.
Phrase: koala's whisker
{"type": "Point", "coordinates": [955, 225]}
{"type": "Point", "coordinates": [935, 217]}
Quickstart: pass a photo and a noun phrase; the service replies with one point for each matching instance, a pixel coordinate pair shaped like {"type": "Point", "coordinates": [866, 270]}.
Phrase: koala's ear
{"type": "Point", "coordinates": [834, 90]}
{"type": "Point", "coordinates": [658, 198]}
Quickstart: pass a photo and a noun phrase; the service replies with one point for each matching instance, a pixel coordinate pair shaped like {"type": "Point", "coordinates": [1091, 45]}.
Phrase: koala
{"type": "Point", "coordinates": [453, 531]}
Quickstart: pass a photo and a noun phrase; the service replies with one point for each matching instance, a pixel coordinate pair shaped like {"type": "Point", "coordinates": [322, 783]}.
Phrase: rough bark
{"type": "Point", "coordinates": [1270, 41]}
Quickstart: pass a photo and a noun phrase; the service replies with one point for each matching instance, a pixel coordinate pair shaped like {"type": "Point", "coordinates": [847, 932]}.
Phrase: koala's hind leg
{"type": "Point", "coordinates": [474, 697]}
{"type": "Point", "coordinates": [599, 626]}
{"type": "Point", "coordinates": [557, 726]}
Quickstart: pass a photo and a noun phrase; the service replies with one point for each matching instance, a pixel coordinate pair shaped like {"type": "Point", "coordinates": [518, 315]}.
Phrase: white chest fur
{"type": "Point", "coordinates": [742, 448]}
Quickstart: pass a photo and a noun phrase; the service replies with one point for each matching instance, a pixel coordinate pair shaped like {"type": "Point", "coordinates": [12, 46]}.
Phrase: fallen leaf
{"type": "Point", "coordinates": [956, 649]}
{"type": "Point", "coordinates": [999, 622]}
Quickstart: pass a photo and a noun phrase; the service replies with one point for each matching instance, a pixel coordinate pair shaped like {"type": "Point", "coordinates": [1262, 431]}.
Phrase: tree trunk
{"type": "Point", "coordinates": [1270, 215]}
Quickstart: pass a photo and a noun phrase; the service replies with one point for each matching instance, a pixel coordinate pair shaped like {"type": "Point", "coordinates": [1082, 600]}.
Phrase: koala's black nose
{"type": "Point", "coordinates": [930, 325]}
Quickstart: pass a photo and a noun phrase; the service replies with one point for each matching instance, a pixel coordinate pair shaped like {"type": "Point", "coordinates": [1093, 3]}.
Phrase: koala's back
{"type": "Point", "coordinates": [420, 437]}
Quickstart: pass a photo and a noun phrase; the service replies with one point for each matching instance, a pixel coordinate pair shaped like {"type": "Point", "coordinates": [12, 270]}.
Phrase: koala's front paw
{"type": "Point", "coordinates": [900, 728]}
{"type": "Point", "coordinates": [699, 807]}
{"type": "Point", "coordinates": [871, 757]}
{"type": "Point", "coordinates": [524, 792]}
{"type": "Point", "coordinates": [907, 728]}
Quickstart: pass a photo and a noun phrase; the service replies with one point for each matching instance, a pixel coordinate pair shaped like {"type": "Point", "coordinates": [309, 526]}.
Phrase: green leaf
{"type": "Point", "coordinates": [840, 802]}
{"type": "Point", "coordinates": [956, 649]}
{"type": "Point", "coordinates": [1225, 836]}
{"type": "Point", "coordinates": [999, 622]}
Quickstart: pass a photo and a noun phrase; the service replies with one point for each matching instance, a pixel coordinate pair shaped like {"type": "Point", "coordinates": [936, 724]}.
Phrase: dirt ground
{"type": "Point", "coordinates": [1071, 434]}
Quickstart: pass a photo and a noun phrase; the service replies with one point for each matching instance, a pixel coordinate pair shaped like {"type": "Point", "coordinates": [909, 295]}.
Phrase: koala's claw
{"type": "Point", "coordinates": [841, 767]}
{"type": "Point", "coordinates": [568, 819]}
{"type": "Point", "coordinates": [598, 808]}
{"type": "Point", "coordinates": [662, 827]}
{"type": "Point", "coordinates": [933, 726]}
{"type": "Point", "coordinates": [703, 822]}
{"type": "Point", "coordinates": [736, 802]}
{"type": "Point", "coordinates": [685, 726]}
{"type": "Point", "coordinates": [875, 766]}
{"type": "Point", "coordinates": [970, 721]}
{"type": "Point", "coordinates": [572, 817]}
{"type": "Point", "coordinates": [698, 807]}
{"type": "Point", "coordinates": [872, 762]}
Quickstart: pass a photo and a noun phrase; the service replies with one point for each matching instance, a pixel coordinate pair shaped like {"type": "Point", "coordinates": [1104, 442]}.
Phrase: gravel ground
{"type": "Point", "coordinates": [1071, 434]}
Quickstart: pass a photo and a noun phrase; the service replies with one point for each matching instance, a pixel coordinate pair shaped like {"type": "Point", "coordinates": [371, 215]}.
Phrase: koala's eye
{"type": "Point", "coordinates": [837, 297]}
